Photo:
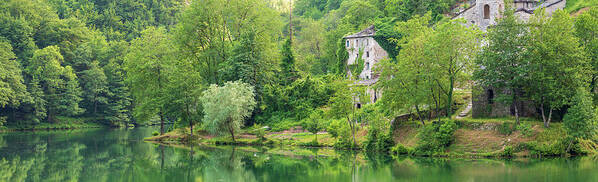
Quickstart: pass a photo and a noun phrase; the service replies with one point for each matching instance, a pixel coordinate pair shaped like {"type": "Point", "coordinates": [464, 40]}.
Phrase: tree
{"type": "Point", "coordinates": [59, 84]}
{"type": "Point", "coordinates": [409, 83]}
{"type": "Point", "coordinates": [225, 107]}
{"type": "Point", "coordinates": [287, 65]}
{"type": "Point", "coordinates": [501, 64]}
{"type": "Point", "coordinates": [314, 123]}
{"type": "Point", "coordinates": [453, 47]}
{"type": "Point", "coordinates": [12, 89]}
{"type": "Point", "coordinates": [586, 29]}
{"type": "Point", "coordinates": [558, 65]}
{"type": "Point", "coordinates": [342, 103]}
{"type": "Point", "coordinates": [208, 31]}
{"type": "Point", "coordinates": [581, 120]}
{"type": "Point", "coordinates": [148, 65]}
{"type": "Point", "coordinates": [95, 88]}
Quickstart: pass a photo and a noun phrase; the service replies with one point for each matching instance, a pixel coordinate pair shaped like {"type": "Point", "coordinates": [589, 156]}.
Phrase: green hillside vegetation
{"type": "Point", "coordinates": [576, 5]}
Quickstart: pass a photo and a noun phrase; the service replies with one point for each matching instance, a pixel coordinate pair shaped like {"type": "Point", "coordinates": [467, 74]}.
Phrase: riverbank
{"type": "Point", "coordinates": [63, 123]}
{"type": "Point", "coordinates": [472, 138]}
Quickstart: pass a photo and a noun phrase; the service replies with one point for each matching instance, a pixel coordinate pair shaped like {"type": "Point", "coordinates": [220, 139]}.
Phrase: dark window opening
{"type": "Point", "coordinates": [367, 66]}
{"type": "Point", "coordinates": [358, 106]}
{"type": "Point", "coordinates": [490, 96]}
{"type": "Point", "coordinates": [486, 11]}
{"type": "Point", "coordinates": [356, 42]}
{"type": "Point", "coordinates": [348, 43]}
{"type": "Point", "coordinates": [375, 97]}
{"type": "Point", "coordinates": [367, 54]}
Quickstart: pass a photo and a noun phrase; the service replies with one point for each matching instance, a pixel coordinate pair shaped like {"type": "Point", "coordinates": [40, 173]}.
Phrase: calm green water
{"type": "Point", "coordinates": [121, 155]}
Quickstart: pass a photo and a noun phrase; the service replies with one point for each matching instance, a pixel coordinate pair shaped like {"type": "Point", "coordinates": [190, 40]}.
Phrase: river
{"type": "Point", "coordinates": [114, 155]}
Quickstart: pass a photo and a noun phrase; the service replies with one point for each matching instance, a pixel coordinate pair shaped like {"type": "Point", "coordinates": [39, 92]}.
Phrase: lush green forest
{"type": "Point", "coordinates": [227, 65]}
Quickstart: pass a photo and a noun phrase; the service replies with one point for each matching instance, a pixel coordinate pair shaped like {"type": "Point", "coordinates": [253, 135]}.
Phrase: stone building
{"type": "Point", "coordinates": [371, 53]}
{"type": "Point", "coordinates": [485, 13]}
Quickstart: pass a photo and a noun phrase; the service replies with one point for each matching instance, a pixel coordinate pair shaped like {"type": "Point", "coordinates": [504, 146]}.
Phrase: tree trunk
{"type": "Point", "coordinates": [515, 100]}
{"type": "Point", "coordinates": [547, 124]}
{"type": "Point", "coordinates": [542, 112]}
{"type": "Point", "coordinates": [352, 131]}
{"type": "Point", "coordinates": [161, 123]}
{"type": "Point", "coordinates": [449, 111]}
{"type": "Point", "coordinates": [232, 132]}
{"type": "Point", "coordinates": [419, 115]}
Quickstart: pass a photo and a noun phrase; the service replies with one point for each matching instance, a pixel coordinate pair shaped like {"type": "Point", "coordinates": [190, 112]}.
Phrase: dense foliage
{"type": "Point", "coordinates": [233, 63]}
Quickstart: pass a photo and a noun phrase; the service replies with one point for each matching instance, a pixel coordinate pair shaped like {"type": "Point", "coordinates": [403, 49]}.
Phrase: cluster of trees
{"type": "Point", "coordinates": [275, 62]}
{"type": "Point", "coordinates": [430, 63]}
{"type": "Point", "coordinates": [64, 58]}
{"type": "Point", "coordinates": [548, 61]}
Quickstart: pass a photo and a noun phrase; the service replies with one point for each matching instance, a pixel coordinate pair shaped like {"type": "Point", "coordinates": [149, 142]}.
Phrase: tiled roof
{"type": "Point", "coordinates": [368, 32]}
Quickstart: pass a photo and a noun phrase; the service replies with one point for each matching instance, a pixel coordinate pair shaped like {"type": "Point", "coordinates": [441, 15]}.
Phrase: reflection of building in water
{"type": "Point", "coordinates": [371, 54]}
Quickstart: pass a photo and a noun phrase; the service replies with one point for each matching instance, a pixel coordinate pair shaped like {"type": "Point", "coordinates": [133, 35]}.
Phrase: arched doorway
{"type": "Point", "coordinates": [486, 11]}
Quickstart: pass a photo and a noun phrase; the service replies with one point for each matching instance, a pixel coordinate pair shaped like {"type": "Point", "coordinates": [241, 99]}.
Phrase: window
{"type": "Point", "coordinates": [358, 105]}
{"type": "Point", "coordinates": [490, 96]}
{"type": "Point", "coordinates": [348, 43]}
{"type": "Point", "coordinates": [367, 66]}
{"type": "Point", "coordinates": [356, 42]}
{"type": "Point", "coordinates": [486, 11]}
{"type": "Point", "coordinates": [367, 54]}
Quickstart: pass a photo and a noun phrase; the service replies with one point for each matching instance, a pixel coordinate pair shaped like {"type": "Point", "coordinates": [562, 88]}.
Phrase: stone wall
{"type": "Point", "coordinates": [475, 15]}
{"type": "Point", "coordinates": [372, 54]}
{"type": "Point", "coordinates": [485, 105]}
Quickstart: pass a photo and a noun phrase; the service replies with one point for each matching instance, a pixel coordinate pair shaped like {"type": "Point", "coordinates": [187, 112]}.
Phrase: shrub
{"type": "Point", "coordinates": [379, 137]}
{"type": "Point", "coordinates": [400, 149]}
{"type": "Point", "coordinates": [445, 133]}
{"type": "Point", "coordinates": [505, 128]}
{"type": "Point", "coordinates": [259, 131]}
{"type": "Point", "coordinates": [507, 152]}
{"type": "Point", "coordinates": [155, 133]}
{"type": "Point", "coordinates": [525, 129]}
{"type": "Point", "coordinates": [435, 137]}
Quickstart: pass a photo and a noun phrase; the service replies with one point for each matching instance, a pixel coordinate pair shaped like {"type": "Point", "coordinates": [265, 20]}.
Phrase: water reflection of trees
{"type": "Point", "coordinates": [118, 155]}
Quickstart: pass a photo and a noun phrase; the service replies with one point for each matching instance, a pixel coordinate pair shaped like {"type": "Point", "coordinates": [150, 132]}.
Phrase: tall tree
{"type": "Point", "coordinates": [95, 87]}
{"type": "Point", "coordinates": [409, 83]}
{"type": "Point", "coordinates": [208, 31]}
{"type": "Point", "coordinates": [287, 65]}
{"type": "Point", "coordinates": [12, 88]}
{"type": "Point", "coordinates": [453, 46]}
{"type": "Point", "coordinates": [586, 29]}
{"type": "Point", "coordinates": [226, 107]}
{"type": "Point", "coordinates": [147, 65]}
{"type": "Point", "coordinates": [501, 64]}
{"type": "Point", "coordinates": [59, 84]}
{"type": "Point", "coordinates": [581, 120]}
{"type": "Point", "coordinates": [558, 64]}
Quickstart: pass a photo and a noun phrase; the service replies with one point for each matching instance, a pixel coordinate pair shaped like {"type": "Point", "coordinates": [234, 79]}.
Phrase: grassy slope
{"type": "Point", "coordinates": [575, 5]}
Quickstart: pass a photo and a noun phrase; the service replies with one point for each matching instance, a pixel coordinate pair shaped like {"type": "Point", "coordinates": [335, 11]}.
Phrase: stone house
{"type": "Point", "coordinates": [371, 53]}
{"type": "Point", "coordinates": [484, 13]}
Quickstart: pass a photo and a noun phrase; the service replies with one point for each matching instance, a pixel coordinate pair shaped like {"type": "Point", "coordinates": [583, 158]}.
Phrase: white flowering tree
{"type": "Point", "coordinates": [225, 107]}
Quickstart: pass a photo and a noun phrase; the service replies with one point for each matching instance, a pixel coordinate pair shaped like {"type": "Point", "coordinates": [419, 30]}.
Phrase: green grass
{"type": "Point", "coordinates": [576, 5]}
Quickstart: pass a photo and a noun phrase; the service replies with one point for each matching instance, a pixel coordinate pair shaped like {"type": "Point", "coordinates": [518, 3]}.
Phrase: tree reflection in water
{"type": "Point", "coordinates": [121, 155]}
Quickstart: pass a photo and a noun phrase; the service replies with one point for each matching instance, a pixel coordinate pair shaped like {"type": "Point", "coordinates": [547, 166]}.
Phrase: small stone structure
{"type": "Point", "coordinates": [485, 13]}
{"type": "Point", "coordinates": [372, 53]}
